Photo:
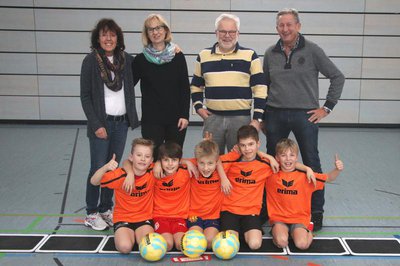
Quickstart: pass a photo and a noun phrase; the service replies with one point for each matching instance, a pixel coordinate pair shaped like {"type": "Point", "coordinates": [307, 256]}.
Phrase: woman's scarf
{"type": "Point", "coordinates": [106, 67]}
{"type": "Point", "coordinates": [159, 57]}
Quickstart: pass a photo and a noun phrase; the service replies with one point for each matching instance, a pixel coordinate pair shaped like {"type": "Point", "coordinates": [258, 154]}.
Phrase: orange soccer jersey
{"type": "Point", "coordinates": [289, 197]}
{"type": "Point", "coordinates": [172, 195]}
{"type": "Point", "coordinates": [136, 206]}
{"type": "Point", "coordinates": [248, 183]}
{"type": "Point", "coordinates": [205, 196]}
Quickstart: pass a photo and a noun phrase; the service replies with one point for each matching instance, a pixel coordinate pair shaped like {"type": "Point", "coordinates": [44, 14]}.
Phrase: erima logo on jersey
{"type": "Point", "coordinates": [287, 183]}
{"type": "Point", "coordinates": [142, 187]}
{"type": "Point", "coordinates": [207, 182]}
{"type": "Point", "coordinates": [245, 174]}
{"type": "Point", "coordinates": [169, 184]}
{"type": "Point", "coordinates": [244, 180]}
{"type": "Point", "coordinates": [287, 191]}
{"type": "Point", "coordinates": [139, 194]}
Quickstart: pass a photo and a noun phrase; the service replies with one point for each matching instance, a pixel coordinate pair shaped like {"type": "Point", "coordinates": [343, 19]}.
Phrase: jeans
{"type": "Point", "coordinates": [279, 124]}
{"type": "Point", "coordinates": [224, 129]}
{"type": "Point", "coordinates": [101, 151]}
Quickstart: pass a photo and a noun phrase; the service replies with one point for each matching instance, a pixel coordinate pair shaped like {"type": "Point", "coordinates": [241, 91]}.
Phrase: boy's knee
{"type": "Point", "coordinates": [124, 248]}
{"type": "Point", "coordinates": [281, 241]}
{"type": "Point", "coordinates": [170, 245]}
{"type": "Point", "coordinates": [209, 242]}
{"type": "Point", "coordinates": [302, 244]}
{"type": "Point", "coordinates": [254, 244]}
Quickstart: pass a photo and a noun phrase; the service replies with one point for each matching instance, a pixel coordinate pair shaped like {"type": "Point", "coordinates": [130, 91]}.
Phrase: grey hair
{"type": "Point", "coordinates": [291, 11]}
{"type": "Point", "coordinates": [227, 16]}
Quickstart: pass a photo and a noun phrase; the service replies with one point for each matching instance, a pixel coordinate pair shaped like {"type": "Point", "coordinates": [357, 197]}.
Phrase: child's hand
{"type": "Point", "coordinates": [129, 183]}
{"type": "Point", "coordinates": [311, 176]}
{"type": "Point", "coordinates": [192, 219]}
{"type": "Point", "coordinates": [192, 169]}
{"type": "Point", "coordinates": [207, 136]}
{"type": "Point", "coordinates": [235, 148]}
{"type": "Point", "coordinates": [157, 170]}
{"type": "Point", "coordinates": [338, 163]}
{"type": "Point", "coordinates": [112, 164]}
{"type": "Point", "coordinates": [226, 186]}
{"type": "Point", "coordinates": [274, 165]}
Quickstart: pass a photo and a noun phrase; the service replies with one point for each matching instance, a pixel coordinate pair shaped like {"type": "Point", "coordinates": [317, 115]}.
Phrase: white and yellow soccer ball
{"type": "Point", "coordinates": [193, 243]}
{"type": "Point", "coordinates": [225, 245]}
{"type": "Point", "coordinates": [153, 247]}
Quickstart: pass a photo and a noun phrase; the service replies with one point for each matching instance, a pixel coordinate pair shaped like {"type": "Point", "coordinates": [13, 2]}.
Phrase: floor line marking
{"type": "Point", "coordinates": [71, 164]}
{"type": "Point", "coordinates": [32, 226]}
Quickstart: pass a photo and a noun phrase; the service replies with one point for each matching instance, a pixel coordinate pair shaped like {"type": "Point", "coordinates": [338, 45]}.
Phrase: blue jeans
{"type": "Point", "coordinates": [101, 151]}
{"type": "Point", "coordinates": [279, 124]}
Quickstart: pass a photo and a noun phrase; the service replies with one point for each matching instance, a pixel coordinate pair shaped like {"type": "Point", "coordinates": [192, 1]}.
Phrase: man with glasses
{"type": "Point", "coordinates": [231, 80]}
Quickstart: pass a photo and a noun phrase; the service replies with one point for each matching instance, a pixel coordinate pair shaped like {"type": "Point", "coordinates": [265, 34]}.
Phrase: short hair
{"type": "Point", "coordinates": [247, 131]}
{"type": "Point", "coordinates": [145, 38]}
{"type": "Point", "coordinates": [107, 24]}
{"type": "Point", "coordinates": [144, 142]}
{"type": "Point", "coordinates": [170, 149]}
{"type": "Point", "coordinates": [206, 148]}
{"type": "Point", "coordinates": [227, 16]}
{"type": "Point", "coordinates": [290, 11]}
{"type": "Point", "coordinates": [286, 144]}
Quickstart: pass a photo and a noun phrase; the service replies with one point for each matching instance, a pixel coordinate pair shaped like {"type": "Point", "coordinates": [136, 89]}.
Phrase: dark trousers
{"type": "Point", "coordinates": [279, 124]}
{"type": "Point", "coordinates": [162, 133]}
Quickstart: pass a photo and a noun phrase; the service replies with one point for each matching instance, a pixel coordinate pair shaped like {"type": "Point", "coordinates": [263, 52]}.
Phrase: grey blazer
{"type": "Point", "coordinates": [92, 94]}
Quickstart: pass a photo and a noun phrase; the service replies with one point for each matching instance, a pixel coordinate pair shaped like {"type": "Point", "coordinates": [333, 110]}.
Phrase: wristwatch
{"type": "Point", "coordinates": [327, 110]}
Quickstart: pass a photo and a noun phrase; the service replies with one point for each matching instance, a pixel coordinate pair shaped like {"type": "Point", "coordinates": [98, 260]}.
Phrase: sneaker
{"type": "Point", "coordinates": [95, 221]}
{"type": "Point", "coordinates": [317, 218]}
{"type": "Point", "coordinates": [107, 217]}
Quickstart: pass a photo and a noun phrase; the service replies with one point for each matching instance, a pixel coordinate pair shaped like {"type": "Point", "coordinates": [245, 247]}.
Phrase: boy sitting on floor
{"type": "Point", "coordinates": [133, 211]}
{"type": "Point", "coordinates": [289, 197]}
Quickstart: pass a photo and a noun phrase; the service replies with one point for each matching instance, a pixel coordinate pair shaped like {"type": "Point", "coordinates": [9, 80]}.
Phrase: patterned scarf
{"type": "Point", "coordinates": [106, 67]}
{"type": "Point", "coordinates": [159, 57]}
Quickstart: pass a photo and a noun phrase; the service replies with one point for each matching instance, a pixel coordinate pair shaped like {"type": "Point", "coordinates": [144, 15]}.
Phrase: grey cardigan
{"type": "Point", "coordinates": [92, 94]}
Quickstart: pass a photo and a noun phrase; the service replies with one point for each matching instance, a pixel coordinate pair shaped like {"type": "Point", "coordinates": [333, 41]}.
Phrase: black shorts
{"type": "Point", "coordinates": [239, 223]}
{"type": "Point", "coordinates": [133, 226]}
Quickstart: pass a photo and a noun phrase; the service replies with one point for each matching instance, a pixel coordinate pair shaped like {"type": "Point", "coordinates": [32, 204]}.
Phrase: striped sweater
{"type": "Point", "coordinates": [229, 82]}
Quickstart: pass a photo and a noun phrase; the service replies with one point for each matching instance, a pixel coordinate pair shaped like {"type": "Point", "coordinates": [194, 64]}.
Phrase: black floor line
{"type": "Point", "coordinates": [60, 219]}
{"type": "Point", "coordinates": [387, 192]}
{"type": "Point", "coordinates": [58, 262]}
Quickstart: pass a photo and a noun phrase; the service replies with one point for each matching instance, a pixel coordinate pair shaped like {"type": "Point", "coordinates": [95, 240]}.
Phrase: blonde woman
{"type": "Point", "coordinates": [164, 84]}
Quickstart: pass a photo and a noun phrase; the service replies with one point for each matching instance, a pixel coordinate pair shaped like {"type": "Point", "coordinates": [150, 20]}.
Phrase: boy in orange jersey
{"type": "Point", "coordinates": [205, 192]}
{"type": "Point", "coordinates": [133, 211]}
{"type": "Point", "coordinates": [241, 208]}
{"type": "Point", "coordinates": [289, 197]}
{"type": "Point", "coordinates": [171, 196]}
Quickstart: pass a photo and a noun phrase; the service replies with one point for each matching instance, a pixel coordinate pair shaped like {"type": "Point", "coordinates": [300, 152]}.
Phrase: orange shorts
{"type": "Point", "coordinates": [169, 225]}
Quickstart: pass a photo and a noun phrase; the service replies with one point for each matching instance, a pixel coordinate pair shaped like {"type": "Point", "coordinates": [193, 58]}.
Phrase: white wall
{"type": "Point", "coordinates": [43, 42]}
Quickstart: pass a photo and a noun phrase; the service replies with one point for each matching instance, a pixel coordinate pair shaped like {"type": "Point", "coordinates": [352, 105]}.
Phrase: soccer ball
{"type": "Point", "coordinates": [193, 243]}
{"type": "Point", "coordinates": [153, 247]}
{"type": "Point", "coordinates": [225, 245]}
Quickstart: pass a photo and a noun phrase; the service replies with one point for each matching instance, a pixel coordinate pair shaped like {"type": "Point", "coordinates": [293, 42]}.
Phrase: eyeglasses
{"type": "Point", "coordinates": [157, 29]}
{"type": "Point", "coordinates": [230, 32]}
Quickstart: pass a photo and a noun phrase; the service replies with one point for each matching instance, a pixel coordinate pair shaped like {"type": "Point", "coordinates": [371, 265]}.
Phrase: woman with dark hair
{"type": "Point", "coordinates": [108, 100]}
{"type": "Point", "coordinates": [164, 83]}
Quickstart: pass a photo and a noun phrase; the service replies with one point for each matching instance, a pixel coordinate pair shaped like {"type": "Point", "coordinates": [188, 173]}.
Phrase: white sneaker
{"type": "Point", "coordinates": [95, 221]}
{"type": "Point", "coordinates": [107, 217]}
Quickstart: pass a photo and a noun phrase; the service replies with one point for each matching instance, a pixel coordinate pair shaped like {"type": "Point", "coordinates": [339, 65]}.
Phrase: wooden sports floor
{"type": "Point", "coordinates": [44, 169]}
